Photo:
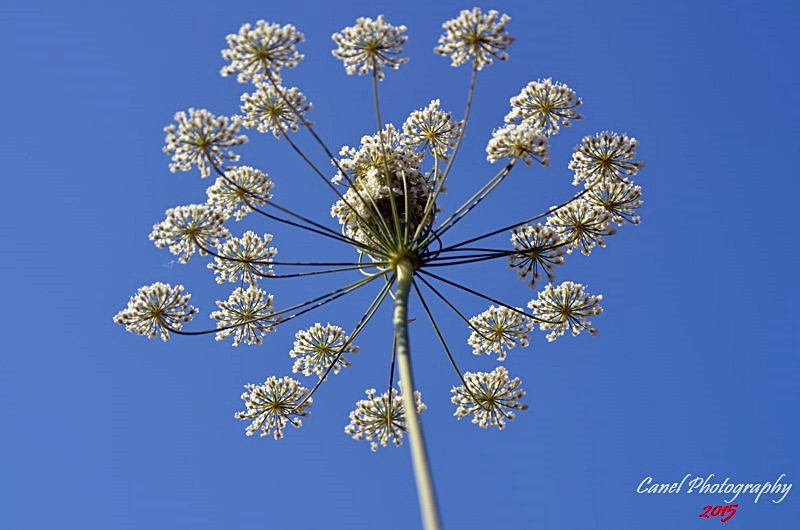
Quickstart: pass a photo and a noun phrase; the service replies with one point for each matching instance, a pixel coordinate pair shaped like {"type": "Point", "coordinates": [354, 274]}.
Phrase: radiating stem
{"type": "Point", "coordinates": [422, 473]}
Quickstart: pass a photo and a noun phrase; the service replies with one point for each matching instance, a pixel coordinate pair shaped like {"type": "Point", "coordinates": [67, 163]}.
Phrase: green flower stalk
{"type": "Point", "coordinates": [385, 199]}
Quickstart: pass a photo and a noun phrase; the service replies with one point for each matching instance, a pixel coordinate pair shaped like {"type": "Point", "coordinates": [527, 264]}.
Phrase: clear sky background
{"type": "Point", "coordinates": [695, 369]}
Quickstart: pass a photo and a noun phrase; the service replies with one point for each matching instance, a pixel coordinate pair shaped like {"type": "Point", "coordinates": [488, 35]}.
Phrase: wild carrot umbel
{"type": "Point", "coordinates": [385, 194]}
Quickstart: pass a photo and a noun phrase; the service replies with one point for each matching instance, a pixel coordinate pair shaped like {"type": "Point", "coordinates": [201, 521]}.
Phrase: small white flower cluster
{"type": "Point", "coordinates": [155, 310]}
{"type": "Point", "coordinates": [475, 34]}
{"type": "Point", "coordinates": [536, 247]}
{"type": "Point", "coordinates": [246, 314]}
{"type": "Point", "coordinates": [369, 46]}
{"type": "Point", "coordinates": [565, 307]}
{"type": "Point", "coordinates": [191, 228]}
{"type": "Point", "coordinates": [241, 187]}
{"type": "Point", "coordinates": [605, 156]}
{"type": "Point", "coordinates": [386, 152]}
{"type": "Point", "coordinates": [490, 397]}
{"type": "Point", "coordinates": [381, 419]}
{"type": "Point", "coordinates": [433, 129]}
{"type": "Point", "coordinates": [320, 347]}
{"type": "Point", "coordinates": [200, 138]}
{"type": "Point", "coordinates": [544, 105]}
{"type": "Point", "coordinates": [581, 224]}
{"type": "Point", "coordinates": [499, 329]}
{"type": "Point", "coordinates": [272, 405]}
{"type": "Point", "coordinates": [273, 108]}
{"type": "Point", "coordinates": [262, 51]}
{"type": "Point", "coordinates": [620, 198]}
{"type": "Point", "coordinates": [244, 259]}
{"type": "Point", "coordinates": [518, 142]}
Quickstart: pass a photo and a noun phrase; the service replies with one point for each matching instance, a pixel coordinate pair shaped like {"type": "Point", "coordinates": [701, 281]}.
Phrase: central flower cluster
{"type": "Point", "coordinates": [389, 201]}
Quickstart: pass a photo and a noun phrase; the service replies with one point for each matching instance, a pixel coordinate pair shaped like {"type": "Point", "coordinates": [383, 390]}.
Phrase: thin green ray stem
{"type": "Point", "coordinates": [365, 318]}
{"type": "Point", "coordinates": [419, 457]}
{"type": "Point", "coordinates": [476, 199]}
{"type": "Point", "coordinates": [516, 225]}
{"type": "Point", "coordinates": [309, 305]}
{"type": "Point", "coordinates": [481, 295]}
{"type": "Point", "coordinates": [457, 311]}
{"type": "Point", "coordinates": [467, 111]}
{"type": "Point", "coordinates": [441, 337]}
{"type": "Point", "coordinates": [430, 203]}
{"type": "Point", "coordinates": [466, 385]}
{"type": "Point", "coordinates": [438, 189]}
{"type": "Point", "coordinates": [341, 266]}
{"type": "Point", "coordinates": [321, 229]}
{"type": "Point", "coordinates": [377, 236]}
{"type": "Point", "coordinates": [310, 128]}
{"type": "Point", "coordinates": [389, 177]}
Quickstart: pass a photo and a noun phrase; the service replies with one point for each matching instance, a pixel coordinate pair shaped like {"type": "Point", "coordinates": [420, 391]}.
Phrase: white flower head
{"type": "Point", "coordinates": [366, 208]}
{"type": "Point", "coordinates": [620, 198]}
{"type": "Point", "coordinates": [155, 310]}
{"type": "Point", "coordinates": [275, 109]}
{"type": "Point", "coordinates": [490, 397]}
{"type": "Point", "coordinates": [499, 329]}
{"type": "Point", "coordinates": [518, 141]}
{"type": "Point", "coordinates": [273, 405]}
{"type": "Point", "coordinates": [385, 152]}
{"type": "Point", "coordinates": [244, 259]}
{"type": "Point", "coordinates": [318, 346]}
{"type": "Point", "coordinates": [381, 419]}
{"type": "Point", "coordinates": [262, 51]}
{"type": "Point", "coordinates": [606, 155]}
{"type": "Point", "coordinates": [565, 307]}
{"type": "Point", "coordinates": [581, 224]}
{"type": "Point", "coordinates": [241, 187]}
{"type": "Point", "coordinates": [383, 172]}
{"type": "Point", "coordinates": [247, 314]}
{"type": "Point", "coordinates": [370, 45]}
{"type": "Point", "coordinates": [190, 229]}
{"type": "Point", "coordinates": [433, 129]}
{"type": "Point", "coordinates": [203, 140]}
{"type": "Point", "coordinates": [475, 34]}
{"type": "Point", "coordinates": [545, 105]}
{"type": "Point", "coordinates": [536, 248]}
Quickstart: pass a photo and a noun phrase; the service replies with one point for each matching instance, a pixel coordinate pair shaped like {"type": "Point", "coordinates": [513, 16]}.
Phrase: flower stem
{"type": "Point", "coordinates": [422, 474]}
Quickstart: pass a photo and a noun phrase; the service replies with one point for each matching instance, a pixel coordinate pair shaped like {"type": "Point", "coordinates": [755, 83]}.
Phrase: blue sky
{"type": "Point", "coordinates": [694, 370]}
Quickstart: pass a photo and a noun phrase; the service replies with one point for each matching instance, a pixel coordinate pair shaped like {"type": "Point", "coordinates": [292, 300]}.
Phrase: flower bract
{"type": "Point", "coordinates": [155, 310]}
{"type": "Point", "coordinates": [545, 105]}
{"type": "Point", "coordinates": [203, 140]}
{"type": "Point", "coordinates": [244, 259]}
{"type": "Point", "coordinates": [246, 314]}
{"type": "Point", "coordinates": [380, 419]}
{"type": "Point", "coordinates": [477, 35]}
{"type": "Point", "coordinates": [262, 51]}
{"type": "Point", "coordinates": [273, 405]}
{"type": "Point", "coordinates": [239, 190]}
{"type": "Point", "coordinates": [497, 330]}
{"type": "Point", "coordinates": [565, 307]}
{"type": "Point", "coordinates": [490, 397]}
{"type": "Point", "coordinates": [606, 155]}
{"type": "Point", "coordinates": [190, 229]}
{"type": "Point", "coordinates": [370, 45]}
{"type": "Point", "coordinates": [319, 348]}
{"type": "Point", "coordinates": [273, 108]}
{"type": "Point", "coordinates": [537, 248]}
